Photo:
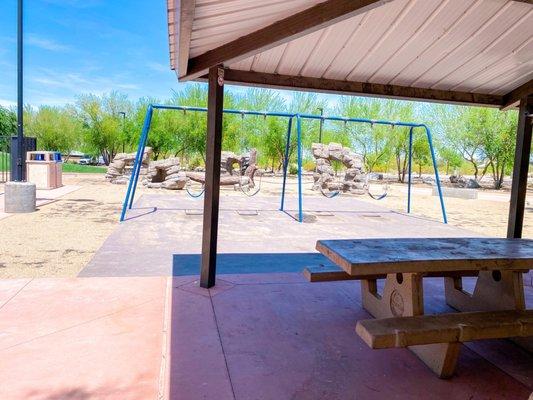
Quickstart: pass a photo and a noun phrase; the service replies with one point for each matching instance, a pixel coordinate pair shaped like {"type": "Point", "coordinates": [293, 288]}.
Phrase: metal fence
{"type": "Point", "coordinates": [5, 141]}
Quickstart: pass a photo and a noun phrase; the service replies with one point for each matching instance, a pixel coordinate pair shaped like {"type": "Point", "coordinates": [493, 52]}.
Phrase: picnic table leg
{"type": "Point", "coordinates": [403, 296]}
{"type": "Point", "coordinates": [494, 291]}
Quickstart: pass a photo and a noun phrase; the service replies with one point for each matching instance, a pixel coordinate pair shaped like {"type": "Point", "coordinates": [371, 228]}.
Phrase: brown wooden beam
{"type": "Point", "coordinates": [215, 103]}
{"type": "Point", "coordinates": [512, 99]}
{"type": "Point", "coordinates": [359, 88]}
{"type": "Point", "coordinates": [300, 24]}
{"type": "Point", "coordinates": [520, 168]}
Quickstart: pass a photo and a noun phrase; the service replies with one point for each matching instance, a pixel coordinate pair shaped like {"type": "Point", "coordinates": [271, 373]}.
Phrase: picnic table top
{"type": "Point", "coordinates": [384, 256]}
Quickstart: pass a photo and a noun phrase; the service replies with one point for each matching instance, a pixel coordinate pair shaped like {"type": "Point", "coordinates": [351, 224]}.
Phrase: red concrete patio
{"type": "Point", "coordinates": [254, 336]}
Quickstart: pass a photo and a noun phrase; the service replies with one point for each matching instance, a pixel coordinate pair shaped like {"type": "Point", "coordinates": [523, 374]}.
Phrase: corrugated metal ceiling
{"type": "Point", "coordinates": [481, 46]}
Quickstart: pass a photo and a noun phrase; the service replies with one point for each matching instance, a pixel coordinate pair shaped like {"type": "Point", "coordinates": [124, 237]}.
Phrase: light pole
{"type": "Point", "coordinates": [321, 124]}
{"type": "Point", "coordinates": [19, 195]}
{"type": "Point", "coordinates": [17, 170]}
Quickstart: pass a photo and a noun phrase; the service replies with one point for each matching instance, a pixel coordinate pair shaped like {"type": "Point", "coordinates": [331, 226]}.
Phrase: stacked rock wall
{"type": "Point", "coordinates": [324, 176]}
{"type": "Point", "coordinates": [119, 170]}
{"type": "Point", "coordinates": [166, 174]}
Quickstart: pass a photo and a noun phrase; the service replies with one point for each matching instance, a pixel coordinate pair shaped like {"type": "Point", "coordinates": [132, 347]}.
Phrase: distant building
{"type": "Point", "coordinates": [74, 156]}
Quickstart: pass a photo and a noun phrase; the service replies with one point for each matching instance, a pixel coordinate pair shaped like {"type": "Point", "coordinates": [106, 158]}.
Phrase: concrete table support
{"type": "Point", "coordinates": [19, 197]}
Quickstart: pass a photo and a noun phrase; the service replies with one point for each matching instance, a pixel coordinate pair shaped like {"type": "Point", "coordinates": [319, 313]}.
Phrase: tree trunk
{"type": "Point", "coordinates": [399, 167]}
{"type": "Point", "coordinates": [404, 169]}
{"type": "Point", "coordinates": [476, 171]}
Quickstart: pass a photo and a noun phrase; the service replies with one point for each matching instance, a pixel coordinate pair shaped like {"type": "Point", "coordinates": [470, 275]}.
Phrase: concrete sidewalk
{"type": "Point", "coordinates": [81, 338]}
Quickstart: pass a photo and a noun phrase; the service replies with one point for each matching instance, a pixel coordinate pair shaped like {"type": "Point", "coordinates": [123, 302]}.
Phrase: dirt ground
{"type": "Point", "coordinates": [61, 237]}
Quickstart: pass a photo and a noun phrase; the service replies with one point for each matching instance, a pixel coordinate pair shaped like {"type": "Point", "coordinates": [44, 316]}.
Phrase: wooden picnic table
{"type": "Point", "coordinates": [495, 309]}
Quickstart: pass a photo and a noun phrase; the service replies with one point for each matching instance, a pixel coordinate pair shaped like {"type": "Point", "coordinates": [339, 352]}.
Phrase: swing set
{"type": "Point", "coordinates": [130, 192]}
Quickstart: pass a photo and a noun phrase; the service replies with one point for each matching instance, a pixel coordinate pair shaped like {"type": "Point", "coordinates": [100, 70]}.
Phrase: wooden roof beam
{"type": "Point", "coordinates": [512, 99]}
{"type": "Point", "coordinates": [300, 24]}
{"type": "Point", "coordinates": [359, 88]}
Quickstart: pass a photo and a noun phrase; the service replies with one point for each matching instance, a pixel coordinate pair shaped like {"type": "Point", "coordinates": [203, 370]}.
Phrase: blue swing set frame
{"type": "Point", "coordinates": [130, 193]}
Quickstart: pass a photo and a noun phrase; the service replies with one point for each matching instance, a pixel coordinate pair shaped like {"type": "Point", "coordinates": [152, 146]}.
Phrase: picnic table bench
{"type": "Point", "coordinates": [495, 309]}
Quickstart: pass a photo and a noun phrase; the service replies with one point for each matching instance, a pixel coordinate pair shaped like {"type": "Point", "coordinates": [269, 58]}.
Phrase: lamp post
{"type": "Point", "coordinates": [321, 124]}
{"type": "Point", "coordinates": [19, 195]}
{"type": "Point", "coordinates": [17, 171]}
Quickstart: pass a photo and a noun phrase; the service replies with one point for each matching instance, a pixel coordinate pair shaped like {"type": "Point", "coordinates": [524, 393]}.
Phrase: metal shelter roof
{"type": "Point", "coordinates": [456, 51]}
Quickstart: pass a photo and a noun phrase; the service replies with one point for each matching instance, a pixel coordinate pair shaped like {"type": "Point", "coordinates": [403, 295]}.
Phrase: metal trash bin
{"type": "Point", "coordinates": [44, 168]}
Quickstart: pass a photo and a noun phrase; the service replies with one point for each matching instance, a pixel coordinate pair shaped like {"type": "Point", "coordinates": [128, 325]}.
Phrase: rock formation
{"type": "Point", "coordinates": [166, 174]}
{"type": "Point", "coordinates": [244, 176]}
{"type": "Point", "coordinates": [119, 170]}
{"type": "Point", "coordinates": [324, 176]}
{"type": "Point", "coordinates": [462, 182]}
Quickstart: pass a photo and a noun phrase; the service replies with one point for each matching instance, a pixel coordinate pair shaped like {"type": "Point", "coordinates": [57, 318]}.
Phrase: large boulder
{"type": "Point", "coordinates": [320, 151]}
{"type": "Point", "coordinates": [472, 184]}
{"type": "Point", "coordinates": [119, 170]}
{"type": "Point", "coordinates": [166, 174]}
{"type": "Point", "coordinates": [324, 176]}
{"type": "Point", "coordinates": [174, 184]}
{"type": "Point", "coordinates": [462, 182]}
{"type": "Point", "coordinates": [335, 151]}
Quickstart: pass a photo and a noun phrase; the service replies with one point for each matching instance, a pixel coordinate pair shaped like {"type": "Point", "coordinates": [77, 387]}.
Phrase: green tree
{"type": "Point", "coordinates": [8, 122]}
{"type": "Point", "coordinates": [461, 128]}
{"type": "Point", "coordinates": [102, 122]}
{"type": "Point", "coordinates": [450, 157]}
{"type": "Point", "coordinates": [421, 155]}
{"type": "Point", "coordinates": [498, 140]}
{"type": "Point", "coordinates": [374, 141]}
{"type": "Point", "coordinates": [191, 127]}
{"type": "Point", "coordinates": [56, 128]}
{"type": "Point", "coordinates": [266, 134]}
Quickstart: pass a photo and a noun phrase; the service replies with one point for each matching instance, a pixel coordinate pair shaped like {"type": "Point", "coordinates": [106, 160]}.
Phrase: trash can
{"type": "Point", "coordinates": [44, 168]}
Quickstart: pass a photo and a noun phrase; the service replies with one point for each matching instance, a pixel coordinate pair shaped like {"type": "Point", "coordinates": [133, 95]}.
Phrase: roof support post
{"type": "Point", "coordinates": [215, 103]}
{"type": "Point", "coordinates": [521, 168]}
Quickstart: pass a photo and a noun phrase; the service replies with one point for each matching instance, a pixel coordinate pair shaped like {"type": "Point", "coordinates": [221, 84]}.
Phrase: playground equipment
{"type": "Point", "coordinates": [384, 190]}
{"type": "Point", "coordinates": [130, 193]}
{"type": "Point", "coordinates": [242, 177]}
{"type": "Point", "coordinates": [327, 180]}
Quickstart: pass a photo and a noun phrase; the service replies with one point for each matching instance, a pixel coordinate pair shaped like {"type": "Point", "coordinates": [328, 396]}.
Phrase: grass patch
{"type": "Point", "coordinates": [84, 169]}
{"type": "Point", "coordinates": [67, 167]}
{"type": "Point", "coordinates": [5, 162]}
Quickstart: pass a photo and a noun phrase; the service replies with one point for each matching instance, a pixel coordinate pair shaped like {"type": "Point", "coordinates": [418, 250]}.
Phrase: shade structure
{"type": "Point", "coordinates": [457, 51]}
{"type": "Point", "coordinates": [475, 52]}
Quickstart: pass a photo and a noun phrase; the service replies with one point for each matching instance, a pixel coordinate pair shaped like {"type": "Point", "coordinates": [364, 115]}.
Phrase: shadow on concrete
{"type": "Point", "coordinates": [151, 210]}
{"type": "Point", "coordinates": [249, 263]}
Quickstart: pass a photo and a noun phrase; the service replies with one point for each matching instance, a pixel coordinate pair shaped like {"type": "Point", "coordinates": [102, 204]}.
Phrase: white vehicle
{"type": "Point", "coordinates": [85, 161]}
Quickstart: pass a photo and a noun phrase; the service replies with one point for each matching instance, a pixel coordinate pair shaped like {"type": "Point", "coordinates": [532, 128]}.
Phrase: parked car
{"type": "Point", "coordinates": [85, 161]}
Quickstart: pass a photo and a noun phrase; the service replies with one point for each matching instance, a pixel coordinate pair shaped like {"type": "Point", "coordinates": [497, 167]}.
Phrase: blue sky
{"type": "Point", "coordinates": [89, 46]}
{"type": "Point", "coordinates": [80, 46]}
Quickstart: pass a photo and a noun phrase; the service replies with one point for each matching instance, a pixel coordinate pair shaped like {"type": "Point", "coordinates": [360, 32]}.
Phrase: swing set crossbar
{"type": "Point", "coordinates": [130, 192]}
